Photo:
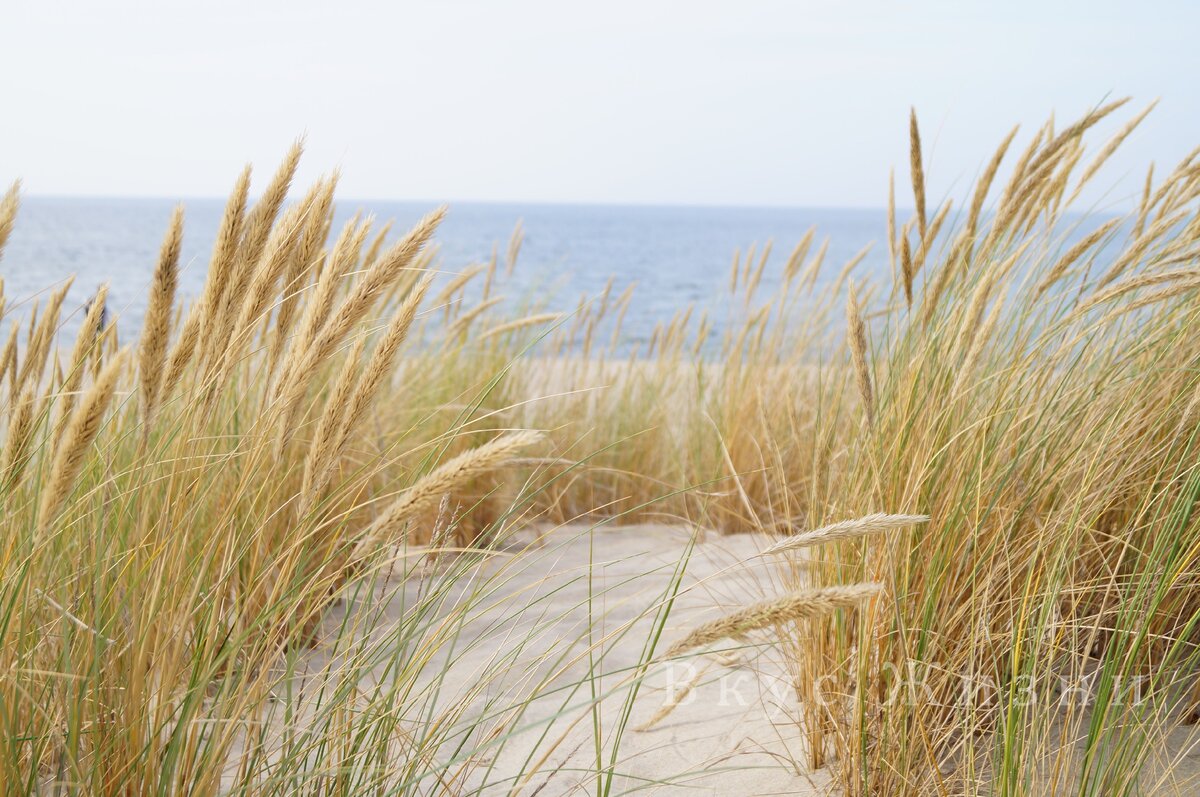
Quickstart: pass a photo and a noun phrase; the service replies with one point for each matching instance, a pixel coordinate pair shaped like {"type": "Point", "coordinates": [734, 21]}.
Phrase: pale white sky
{"type": "Point", "coordinates": [774, 103]}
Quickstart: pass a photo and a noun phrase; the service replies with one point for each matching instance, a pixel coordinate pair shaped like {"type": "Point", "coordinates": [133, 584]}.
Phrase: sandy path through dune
{"type": "Point", "coordinates": [735, 732]}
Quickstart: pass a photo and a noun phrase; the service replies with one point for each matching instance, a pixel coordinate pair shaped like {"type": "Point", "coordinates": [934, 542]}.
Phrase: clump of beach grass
{"type": "Point", "coordinates": [1027, 382]}
{"type": "Point", "coordinates": [1022, 393]}
{"type": "Point", "coordinates": [180, 515]}
{"type": "Point", "coordinates": [1036, 411]}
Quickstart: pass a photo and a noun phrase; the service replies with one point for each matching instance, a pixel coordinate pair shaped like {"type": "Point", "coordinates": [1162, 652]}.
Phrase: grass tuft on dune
{"type": "Point", "coordinates": [980, 472]}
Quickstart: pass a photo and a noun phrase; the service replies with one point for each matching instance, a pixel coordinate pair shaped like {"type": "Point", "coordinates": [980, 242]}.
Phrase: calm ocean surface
{"type": "Point", "coordinates": [677, 255]}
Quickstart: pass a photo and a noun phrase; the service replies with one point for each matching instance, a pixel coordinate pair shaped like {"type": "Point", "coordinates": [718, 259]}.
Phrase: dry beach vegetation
{"type": "Point", "coordinates": [242, 553]}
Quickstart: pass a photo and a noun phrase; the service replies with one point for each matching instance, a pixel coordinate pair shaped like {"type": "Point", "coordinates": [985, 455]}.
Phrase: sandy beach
{"type": "Point", "coordinates": [734, 733]}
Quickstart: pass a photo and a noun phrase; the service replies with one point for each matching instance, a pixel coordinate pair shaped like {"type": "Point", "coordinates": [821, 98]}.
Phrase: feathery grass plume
{"type": "Point", "coordinates": [1073, 132]}
{"type": "Point", "coordinates": [281, 249]}
{"type": "Point", "coordinates": [865, 526]}
{"type": "Point", "coordinates": [1009, 215]}
{"type": "Point", "coordinates": [205, 313]}
{"type": "Point", "coordinates": [156, 328]}
{"type": "Point", "coordinates": [589, 337]}
{"type": "Point", "coordinates": [186, 345]}
{"type": "Point", "coordinates": [1179, 194]}
{"type": "Point", "coordinates": [383, 358]}
{"type": "Point", "coordinates": [202, 316]}
{"type": "Point", "coordinates": [1037, 163]}
{"type": "Point", "coordinates": [347, 249]}
{"type": "Point", "coordinates": [514, 248]}
{"type": "Point", "coordinates": [809, 279]}
{"type": "Point", "coordinates": [16, 441]}
{"type": "Point", "coordinates": [972, 313]}
{"type": "Point", "coordinates": [748, 264]}
{"type": "Point", "coordinates": [978, 340]}
{"type": "Point", "coordinates": [33, 320]}
{"type": "Point", "coordinates": [1146, 204]}
{"type": "Point", "coordinates": [319, 217]}
{"type": "Point", "coordinates": [372, 284]}
{"type": "Point", "coordinates": [856, 337]}
{"type": "Point", "coordinates": [796, 258]}
{"type": "Point", "coordinates": [1186, 171]}
{"type": "Point", "coordinates": [1064, 263]}
{"type": "Point", "coordinates": [701, 337]}
{"type": "Point", "coordinates": [520, 323]}
{"type": "Point", "coordinates": [457, 282]}
{"type": "Point", "coordinates": [623, 306]}
{"type": "Point", "coordinates": [41, 338]}
{"type": "Point", "coordinates": [1136, 283]}
{"type": "Point", "coordinates": [376, 244]}
{"type": "Point", "coordinates": [490, 278]}
{"type": "Point", "coordinates": [1140, 246]}
{"type": "Point", "coordinates": [461, 324]}
{"type": "Point", "coordinates": [321, 450]}
{"type": "Point", "coordinates": [421, 264]}
{"type": "Point", "coordinates": [983, 186]}
{"type": "Point", "coordinates": [906, 269]}
{"type": "Point", "coordinates": [81, 431]}
{"type": "Point", "coordinates": [304, 356]}
{"type": "Point", "coordinates": [305, 258]}
{"type": "Point", "coordinates": [446, 478]}
{"type": "Point", "coordinates": [9, 205]}
{"type": "Point", "coordinates": [756, 277]}
{"type": "Point", "coordinates": [225, 247]}
{"type": "Point", "coordinates": [931, 234]}
{"type": "Point", "coordinates": [1019, 172]}
{"type": "Point", "coordinates": [917, 169]}
{"type": "Point", "coordinates": [321, 299]}
{"type": "Point", "coordinates": [1109, 148]}
{"type": "Point", "coordinates": [605, 296]}
{"type": "Point", "coordinates": [805, 604]}
{"type": "Point", "coordinates": [1178, 288]}
{"type": "Point", "coordinates": [579, 315]}
{"type": "Point", "coordinates": [963, 251]}
{"type": "Point", "coordinates": [345, 412]}
{"type": "Point", "coordinates": [847, 269]}
{"type": "Point", "coordinates": [85, 340]}
{"type": "Point", "coordinates": [256, 234]}
{"type": "Point", "coordinates": [8, 357]}
{"type": "Point", "coordinates": [1049, 202]}
{"type": "Point", "coordinates": [262, 216]}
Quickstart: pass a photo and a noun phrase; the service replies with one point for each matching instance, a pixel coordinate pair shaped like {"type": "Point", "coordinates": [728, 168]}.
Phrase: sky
{"type": "Point", "coordinates": [732, 103]}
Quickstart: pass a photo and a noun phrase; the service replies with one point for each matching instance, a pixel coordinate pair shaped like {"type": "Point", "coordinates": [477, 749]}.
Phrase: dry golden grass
{"type": "Point", "coordinates": [846, 530]}
{"type": "Point", "coordinates": [1019, 398]}
{"type": "Point", "coordinates": [800, 605]}
{"type": "Point", "coordinates": [191, 511]}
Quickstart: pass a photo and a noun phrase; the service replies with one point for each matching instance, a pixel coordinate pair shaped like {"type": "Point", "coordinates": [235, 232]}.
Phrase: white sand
{"type": "Point", "coordinates": [736, 732]}
{"type": "Point", "coordinates": [733, 735]}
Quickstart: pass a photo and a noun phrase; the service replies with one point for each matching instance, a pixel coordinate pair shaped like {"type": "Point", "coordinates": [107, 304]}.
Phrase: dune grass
{"type": "Point", "coordinates": [981, 468]}
{"type": "Point", "coordinates": [1036, 400]}
{"type": "Point", "coordinates": [180, 518]}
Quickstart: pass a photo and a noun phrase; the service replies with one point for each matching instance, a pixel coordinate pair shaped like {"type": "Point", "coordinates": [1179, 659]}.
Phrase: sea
{"type": "Point", "coordinates": [677, 255]}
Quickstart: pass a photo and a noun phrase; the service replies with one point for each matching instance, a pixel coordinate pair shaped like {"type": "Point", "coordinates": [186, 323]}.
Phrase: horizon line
{"type": "Point", "coordinates": [500, 202]}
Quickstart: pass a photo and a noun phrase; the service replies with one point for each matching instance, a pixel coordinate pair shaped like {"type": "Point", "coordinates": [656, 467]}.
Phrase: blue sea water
{"type": "Point", "coordinates": [677, 255]}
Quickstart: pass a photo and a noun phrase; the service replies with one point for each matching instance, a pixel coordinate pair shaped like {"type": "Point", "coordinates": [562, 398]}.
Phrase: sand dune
{"type": "Point", "coordinates": [733, 734]}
